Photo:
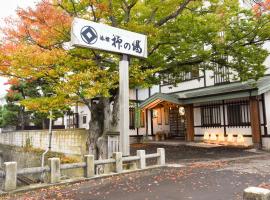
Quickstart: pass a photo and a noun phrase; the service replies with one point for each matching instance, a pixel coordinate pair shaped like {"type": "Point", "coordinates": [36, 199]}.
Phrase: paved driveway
{"type": "Point", "coordinates": [187, 154]}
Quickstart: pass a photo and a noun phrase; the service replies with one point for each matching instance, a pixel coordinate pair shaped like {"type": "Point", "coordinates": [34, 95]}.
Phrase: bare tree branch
{"type": "Point", "coordinates": [112, 17]}
{"type": "Point", "coordinates": [93, 12]}
{"type": "Point", "coordinates": [152, 16]}
{"type": "Point", "coordinates": [127, 9]}
{"type": "Point", "coordinates": [157, 46]}
{"type": "Point", "coordinates": [173, 15]}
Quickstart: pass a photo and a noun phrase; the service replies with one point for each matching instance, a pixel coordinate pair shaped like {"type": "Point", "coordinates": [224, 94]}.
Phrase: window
{"type": "Point", "coordinates": [84, 119]}
{"type": "Point", "coordinates": [238, 114]}
{"type": "Point", "coordinates": [189, 73]}
{"type": "Point", "coordinates": [166, 116]}
{"type": "Point", "coordinates": [221, 75]}
{"type": "Point", "coordinates": [142, 119]}
{"type": "Point", "coordinates": [210, 116]}
{"type": "Point", "coordinates": [131, 118]}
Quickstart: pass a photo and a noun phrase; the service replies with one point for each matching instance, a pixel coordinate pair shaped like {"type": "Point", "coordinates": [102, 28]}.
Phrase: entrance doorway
{"type": "Point", "coordinates": [177, 124]}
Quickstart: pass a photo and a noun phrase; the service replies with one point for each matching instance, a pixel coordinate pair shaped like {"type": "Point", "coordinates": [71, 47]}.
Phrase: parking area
{"type": "Point", "coordinates": [184, 153]}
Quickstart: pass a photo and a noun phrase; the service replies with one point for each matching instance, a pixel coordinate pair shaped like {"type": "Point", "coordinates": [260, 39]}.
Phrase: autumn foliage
{"type": "Point", "coordinates": [262, 7]}
{"type": "Point", "coordinates": [178, 32]}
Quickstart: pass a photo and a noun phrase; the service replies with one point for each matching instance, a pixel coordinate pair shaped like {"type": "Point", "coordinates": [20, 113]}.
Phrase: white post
{"type": "Point", "coordinates": [124, 105]}
{"type": "Point", "coordinates": [256, 193]}
{"type": "Point", "coordinates": [10, 181]}
{"type": "Point", "coordinates": [118, 162]}
{"type": "Point", "coordinates": [141, 162]}
{"type": "Point", "coordinates": [55, 170]}
{"type": "Point", "coordinates": [161, 158]}
{"type": "Point", "coordinates": [90, 166]}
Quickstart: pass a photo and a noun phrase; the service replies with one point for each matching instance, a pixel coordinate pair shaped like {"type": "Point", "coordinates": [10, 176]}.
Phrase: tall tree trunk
{"type": "Point", "coordinates": [103, 138]}
{"type": "Point", "coordinates": [95, 126]}
{"type": "Point", "coordinates": [104, 119]}
{"type": "Point", "coordinates": [115, 114]}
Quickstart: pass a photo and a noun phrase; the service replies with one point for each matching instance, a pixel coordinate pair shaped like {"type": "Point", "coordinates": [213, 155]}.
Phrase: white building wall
{"type": "Point", "coordinates": [267, 109]}
{"type": "Point", "coordinates": [84, 111]}
{"type": "Point", "coordinates": [58, 121]}
{"type": "Point", "coordinates": [266, 140]}
{"type": "Point", "coordinates": [143, 94]}
{"type": "Point", "coordinates": [132, 94]}
{"type": "Point", "coordinates": [186, 85]}
{"type": "Point", "coordinates": [267, 61]}
{"type": "Point", "coordinates": [154, 89]}
{"type": "Point", "coordinates": [267, 64]}
{"type": "Point", "coordinates": [209, 77]}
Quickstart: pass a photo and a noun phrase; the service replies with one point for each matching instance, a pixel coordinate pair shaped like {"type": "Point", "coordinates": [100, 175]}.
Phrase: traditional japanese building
{"type": "Point", "coordinates": [208, 105]}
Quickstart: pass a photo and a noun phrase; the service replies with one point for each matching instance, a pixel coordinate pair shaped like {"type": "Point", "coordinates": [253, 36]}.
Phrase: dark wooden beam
{"type": "Point", "coordinates": [190, 122]}
{"type": "Point", "coordinates": [255, 122]}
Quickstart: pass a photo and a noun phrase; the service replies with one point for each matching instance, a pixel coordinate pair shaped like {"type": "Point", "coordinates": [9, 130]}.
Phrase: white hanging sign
{"type": "Point", "coordinates": [89, 34]}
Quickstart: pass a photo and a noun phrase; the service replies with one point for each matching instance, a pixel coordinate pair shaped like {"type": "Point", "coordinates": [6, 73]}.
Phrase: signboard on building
{"type": "Point", "coordinates": [89, 34]}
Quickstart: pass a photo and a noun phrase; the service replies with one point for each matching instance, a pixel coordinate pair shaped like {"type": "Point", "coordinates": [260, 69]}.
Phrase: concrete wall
{"type": "Point", "coordinates": [70, 141]}
{"type": "Point", "coordinates": [24, 159]}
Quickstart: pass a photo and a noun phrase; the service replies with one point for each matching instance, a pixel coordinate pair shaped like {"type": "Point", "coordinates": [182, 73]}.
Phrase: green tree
{"type": "Point", "coordinates": [8, 116]}
{"type": "Point", "coordinates": [23, 90]}
{"type": "Point", "coordinates": [181, 34]}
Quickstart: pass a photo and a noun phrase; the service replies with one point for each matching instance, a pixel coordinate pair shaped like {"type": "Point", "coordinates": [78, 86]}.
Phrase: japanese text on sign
{"type": "Point", "coordinates": [99, 36]}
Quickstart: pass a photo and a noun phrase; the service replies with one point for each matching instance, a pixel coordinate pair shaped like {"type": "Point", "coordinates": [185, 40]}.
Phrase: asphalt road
{"type": "Point", "coordinates": [214, 180]}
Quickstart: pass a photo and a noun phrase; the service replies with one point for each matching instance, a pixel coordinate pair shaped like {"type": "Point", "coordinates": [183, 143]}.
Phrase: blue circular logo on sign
{"type": "Point", "coordinates": [89, 35]}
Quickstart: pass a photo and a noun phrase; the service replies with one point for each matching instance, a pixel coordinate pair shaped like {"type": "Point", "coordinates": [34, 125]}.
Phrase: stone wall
{"type": "Point", "coordinates": [23, 159]}
{"type": "Point", "coordinates": [69, 141]}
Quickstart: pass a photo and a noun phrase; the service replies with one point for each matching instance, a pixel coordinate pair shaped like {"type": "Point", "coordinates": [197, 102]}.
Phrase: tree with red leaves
{"type": "Point", "coordinates": [261, 7]}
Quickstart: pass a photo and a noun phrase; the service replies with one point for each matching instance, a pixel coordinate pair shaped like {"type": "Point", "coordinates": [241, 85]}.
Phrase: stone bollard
{"type": "Point", "coordinates": [54, 164]}
{"type": "Point", "coordinates": [256, 193]}
{"type": "Point", "coordinates": [141, 162]}
{"type": "Point", "coordinates": [90, 166]}
{"type": "Point", "coordinates": [10, 181]}
{"type": "Point", "coordinates": [161, 158]}
{"type": "Point", "coordinates": [118, 162]}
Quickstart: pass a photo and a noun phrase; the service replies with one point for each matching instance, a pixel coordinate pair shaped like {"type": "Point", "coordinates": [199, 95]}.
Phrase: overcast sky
{"type": "Point", "coordinates": [8, 8]}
